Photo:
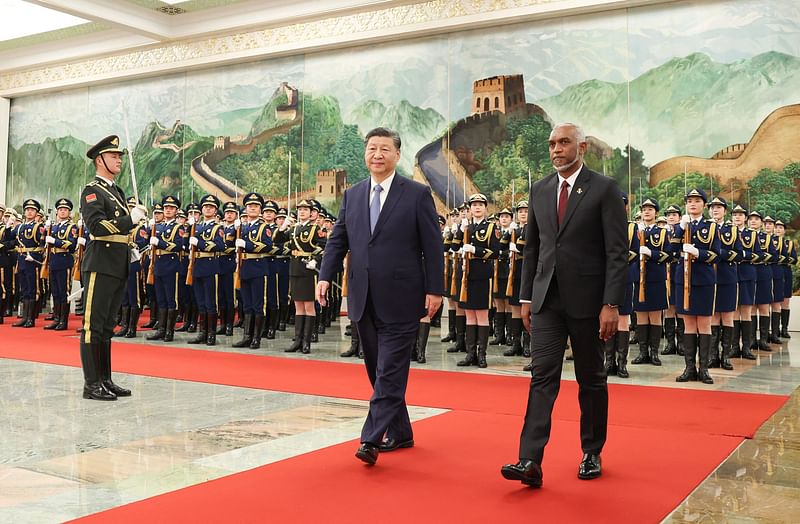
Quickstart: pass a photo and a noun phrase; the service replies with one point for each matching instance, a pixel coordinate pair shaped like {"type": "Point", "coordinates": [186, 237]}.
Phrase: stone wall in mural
{"type": "Point", "coordinates": [688, 92]}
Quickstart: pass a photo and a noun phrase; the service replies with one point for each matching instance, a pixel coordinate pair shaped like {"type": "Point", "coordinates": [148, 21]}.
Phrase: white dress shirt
{"type": "Point", "coordinates": [571, 181]}
{"type": "Point", "coordinates": [386, 185]}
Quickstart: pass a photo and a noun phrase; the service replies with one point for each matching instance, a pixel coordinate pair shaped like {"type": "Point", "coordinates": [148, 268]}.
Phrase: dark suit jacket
{"type": "Point", "coordinates": [588, 254]}
{"type": "Point", "coordinates": [397, 264]}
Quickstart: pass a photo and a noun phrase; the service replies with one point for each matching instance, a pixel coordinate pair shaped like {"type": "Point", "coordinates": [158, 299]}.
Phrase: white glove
{"type": "Point", "coordinates": [645, 251]}
{"type": "Point", "coordinates": [28, 257]}
{"type": "Point", "coordinates": [50, 240]}
{"type": "Point", "coordinates": [688, 248]}
{"type": "Point", "coordinates": [154, 241]}
{"type": "Point", "coordinates": [81, 241]}
{"type": "Point", "coordinates": [191, 220]}
{"type": "Point", "coordinates": [454, 228]}
{"type": "Point", "coordinates": [193, 241]}
{"type": "Point", "coordinates": [10, 223]}
{"type": "Point", "coordinates": [138, 213]}
{"type": "Point", "coordinates": [47, 223]}
{"type": "Point", "coordinates": [513, 247]}
{"type": "Point", "coordinates": [241, 243]}
{"type": "Point", "coordinates": [80, 222]}
{"type": "Point", "coordinates": [311, 264]}
{"type": "Point", "coordinates": [468, 248]}
{"type": "Point", "coordinates": [151, 222]}
{"type": "Point", "coordinates": [464, 222]}
{"type": "Point", "coordinates": [685, 219]}
{"type": "Point", "coordinates": [513, 225]}
{"type": "Point", "coordinates": [237, 223]}
{"type": "Point", "coordinates": [285, 226]}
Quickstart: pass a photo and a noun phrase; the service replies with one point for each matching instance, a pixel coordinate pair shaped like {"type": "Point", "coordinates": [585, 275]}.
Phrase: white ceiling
{"type": "Point", "coordinates": [34, 33]}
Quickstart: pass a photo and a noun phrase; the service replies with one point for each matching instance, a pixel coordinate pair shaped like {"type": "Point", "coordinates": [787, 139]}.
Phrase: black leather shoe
{"type": "Point", "coordinates": [116, 390]}
{"type": "Point", "coordinates": [390, 444]}
{"type": "Point", "coordinates": [367, 453]}
{"type": "Point", "coordinates": [589, 467]}
{"type": "Point", "coordinates": [526, 471]}
{"type": "Point", "coordinates": [96, 391]}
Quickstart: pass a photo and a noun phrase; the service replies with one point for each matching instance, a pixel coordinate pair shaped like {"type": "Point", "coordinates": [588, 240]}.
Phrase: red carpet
{"type": "Point", "coordinates": [453, 476]}
{"type": "Point", "coordinates": [662, 443]}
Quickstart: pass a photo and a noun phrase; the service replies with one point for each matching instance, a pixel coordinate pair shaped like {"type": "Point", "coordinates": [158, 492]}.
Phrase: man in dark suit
{"type": "Point", "coordinates": [389, 223]}
{"type": "Point", "coordinates": [573, 278]}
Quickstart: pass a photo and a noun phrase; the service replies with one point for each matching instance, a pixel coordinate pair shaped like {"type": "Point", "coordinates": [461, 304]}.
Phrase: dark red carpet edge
{"type": "Point", "coordinates": [711, 412]}
{"type": "Point", "coordinates": [452, 475]}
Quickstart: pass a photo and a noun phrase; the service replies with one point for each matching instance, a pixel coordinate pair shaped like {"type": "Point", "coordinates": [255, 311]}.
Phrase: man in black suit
{"type": "Point", "coordinates": [390, 225]}
{"type": "Point", "coordinates": [573, 278]}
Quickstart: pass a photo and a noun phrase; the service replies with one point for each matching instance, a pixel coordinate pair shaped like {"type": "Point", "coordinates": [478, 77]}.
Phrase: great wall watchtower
{"type": "Point", "coordinates": [504, 93]}
{"type": "Point", "coordinates": [331, 183]}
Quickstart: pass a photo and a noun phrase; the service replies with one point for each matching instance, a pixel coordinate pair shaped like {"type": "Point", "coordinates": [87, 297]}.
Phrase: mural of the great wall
{"type": "Point", "coordinates": [474, 109]}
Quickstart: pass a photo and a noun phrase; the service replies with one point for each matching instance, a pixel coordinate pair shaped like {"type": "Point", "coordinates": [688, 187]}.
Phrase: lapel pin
{"type": "Point", "coordinates": [579, 190]}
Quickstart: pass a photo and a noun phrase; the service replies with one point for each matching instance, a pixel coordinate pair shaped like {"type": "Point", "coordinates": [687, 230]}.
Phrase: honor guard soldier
{"type": "Point", "coordinates": [317, 218]}
{"type": "Point", "coordinates": [187, 306]}
{"type": "Point", "coordinates": [730, 254]}
{"type": "Point", "coordinates": [255, 245]}
{"type": "Point", "coordinates": [449, 273]}
{"type": "Point", "coordinates": [520, 339]}
{"type": "Point", "coordinates": [673, 324]}
{"type": "Point", "coordinates": [700, 249]}
{"type": "Point", "coordinates": [30, 236]}
{"type": "Point", "coordinates": [746, 280]}
{"type": "Point", "coordinates": [500, 280]}
{"type": "Point", "coordinates": [616, 347]}
{"type": "Point", "coordinates": [307, 241]}
{"type": "Point", "coordinates": [104, 267]}
{"type": "Point", "coordinates": [281, 261]}
{"type": "Point", "coordinates": [62, 242]}
{"type": "Point", "coordinates": [279, 237]}
{"type": "Point", "coordinates": [167, 246]}
{"type": "Point", "coordinates": [206, 244]}
{"type": "Point", "coordinates": [766, 254]}
{"type": "Point", "coordinates": [150, 289]}
{"type": "Point", "coordinates": [8, 259]}
{"type": "Point", "coordinates": [227, 267]}
{"type": "Point", "coordinates": [455, 284]}
{"type": "Point", "coordinates": [788, 260]}
{"type": "Point", "coordinates": [777, 280]}
{"type": "Point", "coordinates": [132, 302]}
{"type": "Point", "coordinates": [480, 246]}
{"type": "Point", "coordinates": [650, 302]}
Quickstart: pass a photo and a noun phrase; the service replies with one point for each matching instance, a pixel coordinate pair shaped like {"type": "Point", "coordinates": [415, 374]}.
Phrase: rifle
{"type": "Point", "coordinates": [192, 252]}
{"type": "Point", "coordinates": [237, 279]}
{"type": "Point", "coordinates": [151, 273]}
{"type": "Point", "coordinates": [687, 267]}
{"type": "Point", "coordinates": [465, 270]}
{"type": "Point", "coordinates": [76, 268]}
{"type": "Point", "coordinates": [642, 267]}
{"type": "Point", "coordinates": [512, 258]}
{"type": "Point", "coordinates": [453, 282]}
{"type": "Point", "coordinates": [44, 272]}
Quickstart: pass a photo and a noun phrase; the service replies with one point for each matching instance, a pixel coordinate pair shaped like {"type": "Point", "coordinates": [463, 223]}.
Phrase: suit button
{"type": "Point", "coordinates": [108, 245]}
{"type": "Point", "coordinates": [558, 245]}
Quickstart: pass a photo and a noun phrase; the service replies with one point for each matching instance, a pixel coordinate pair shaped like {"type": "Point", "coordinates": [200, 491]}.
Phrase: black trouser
{"type": "Point", "coordinates": [102, 296]}
{"type": "Point", "coordinates": [548, 340]}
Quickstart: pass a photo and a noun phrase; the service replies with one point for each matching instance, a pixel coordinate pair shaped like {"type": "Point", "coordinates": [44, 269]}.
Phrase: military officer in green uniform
{"type": "Point", "coordinates": [105, 266]}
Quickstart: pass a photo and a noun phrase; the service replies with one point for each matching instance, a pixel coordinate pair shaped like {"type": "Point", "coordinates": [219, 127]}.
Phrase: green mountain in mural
{"type": "Point", "coordinates": [686, 106]}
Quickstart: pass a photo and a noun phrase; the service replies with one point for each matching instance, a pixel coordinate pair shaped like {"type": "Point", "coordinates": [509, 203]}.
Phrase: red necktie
{"type": "Point", "coordinates": [563, 196]}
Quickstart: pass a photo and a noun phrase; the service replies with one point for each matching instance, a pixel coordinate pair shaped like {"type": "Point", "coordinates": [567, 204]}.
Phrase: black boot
{"type": "Point", "coordinates": [169, 333]}
{"type": "Point", "coordinates": [516, 338]}
{"type": "Point", "coordinates": [727, 347]}
{"type": "Point", "coordinates": [622, 352]}
{"type": "Point", "coordinates": [202, 331]}
{"type": "Point", "coordinates": [689, 356]}
{"type": "Point", "coordinates": [229, 314]}
{"type": "Point", "coordinates": [272, 325]}
{"type": "Point", "coordinates": [747, 340]}
{"type": "Point", "coordinates": [422, 341]}
{"type": "Point", "coordinates": [526, 343]}
{"type": "Point", "coordinates": [642, 335]}
{"type": "Point", "coordinates": [483, 342]}
{"type": "Point", "coordinates": [259, 326]}
{"type": "Point", "coordinates": [775, 332]}
{"type": "Point", "coordinates": [704, 350]}
{"type": "Point", "coordinates": [499, 330]}
{"type": "Point", "coordinates": [785, 323]}
{"type": "Point", "coordinates": [754, 332]}
{"type": "Point", "coordinates": [193, 313]}
{"type": "Point", "coordinates": [247, 337]}
{"type": "Point", "coordinates": [56, 317]}
{"type": "Point", "coordinates": [314, 326]}
{"type": "Point", "coordinates": [763, 333]}
{"type": "Point", "coordinates": [680, 330]}
{"type": "Point", "coordinates": [321, 319]}
{"type": "Point", "coordinates": [634, 334]}
{"type": "Point", "coordinates": [93, 388]}
{"type": "Point", "coordinates": [610, 350]}
{"type": "Point", "coordinates": [471, 342]}
{"type": "Point", "coordinates": [158, 334]}
{"type": "Point", "coordinates": [654, 339]}
{"type": "Point", "coordinates": [24, 317]}
{"type": "Point", "coordinates": [308, 328]}
{"type": "Point", "coordinates": [126, 321]}
{"type": "Point", "coordinates": [461, 328]}
{"type": "Point", "coordinates": [670, 348]}
{"type": "Point", "coordinates": [240, 316]}
{"type": "Point", "coordinates": [105, 372]}
{"type": "Point", "coordinates": [63, 320]}
{"type": "Point", "coordinates": [186, 316]}
{"type": "Point", "coordinates": [436, 321]}
{"type": "Point", "coordinates": [736, 350]}
{"type": "Point", "coordinates": [220, 330]}
{"type": "Point", "coordinates": [283, 314]}
{"type": "Point", "coordinates": [353, 351]}
{"type": "Point", "coordinates": [715, 340]}
{"type": "Point", "coordinates": [509, 316]}
{"type": "Point", "coordinates": [153, 316]}
{"type": "Point", "coordinates": [299, 329]}
{"type": "Point", "coordinates": [133, 324]}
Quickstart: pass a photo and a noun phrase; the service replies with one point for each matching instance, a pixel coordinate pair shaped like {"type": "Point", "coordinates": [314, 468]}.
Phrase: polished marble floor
{"type": "Point", "coordinates": [62, 457]}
